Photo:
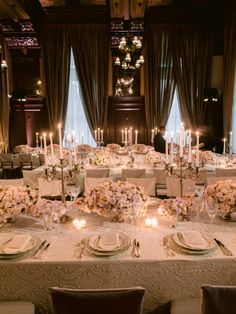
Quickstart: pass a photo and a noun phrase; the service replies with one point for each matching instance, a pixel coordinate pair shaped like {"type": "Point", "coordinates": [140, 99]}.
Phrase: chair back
{"type": "Point", "coordinates": [218, 299]}
{"type": "Point", "coordinates": [49, 189]}
{"type": "Point", "coordinates": [225, 172]}
{"type": "Point", "coordinates": [26, 161]}
{"type": "Point", "coordinates": [6, 160]}
{"type": "Point", "coordinates": [16, 182]}
{"type": "Point", "coordinates": [93, 182]}
{"type": "Point", "coordinates": [213, 180]}
{"type": "Point", "coordinates": [148, 184]}
{"type": "Point", "coordinates": [102, 301]}
{"type": "Point", "coordinates": [173, 187]}
{"type": "Point", "coordinates": [97, 172]}
{"type": "Point", "coordinates": [41, 159]}
{"type": "Point", "coordinates": [133, 173]}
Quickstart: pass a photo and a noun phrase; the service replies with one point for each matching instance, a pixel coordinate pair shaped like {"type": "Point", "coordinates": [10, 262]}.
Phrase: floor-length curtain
{"type": "Point", "coordinates": [229, 74]}
{"type": "Point", "coordinates": [4, 102]}
{"type": "Point", "coordinates": [56, 61]}
{"type": "Point", "coordinates": [192, 55]}
{"type": "Point", "coordinates": [90, 44]}
{"type": "Point", "coordinates": [158, 72]}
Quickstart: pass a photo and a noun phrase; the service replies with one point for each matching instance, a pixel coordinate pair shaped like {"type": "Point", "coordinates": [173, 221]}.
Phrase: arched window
{"type": "Point", "coordinates": [75, 119]}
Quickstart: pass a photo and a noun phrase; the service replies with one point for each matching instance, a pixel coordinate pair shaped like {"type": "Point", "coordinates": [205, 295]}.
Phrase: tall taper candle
{"type": "Point", "coordinates": [51, 144]}
{"type": "Point", "coordinates": [224, 142]}
{"type": "Point", "coordinates": [197, 152]}
{"type": "Point", "coordinates": [152, 135]}
{"type": "Point", "coordinates": [230, 142]}
{"type": "Point", "coordinates": [167, 153]}
{"type": "Point", "coordinates": [45, 149]}
{"type": "Point", "coordinates": [189, 146]}
{"type": "Point", "coordinates": [136, 136]}
{"type": "Point", "coordinates": [181, 140]}
{"type": "Point", "coordinates": [171, 149]}
{"type": "Point", "coordinates": [60, 141]}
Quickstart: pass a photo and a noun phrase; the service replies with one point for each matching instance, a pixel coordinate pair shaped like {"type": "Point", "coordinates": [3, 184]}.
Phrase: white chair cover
{"type": "Point", "coordinates": [18, 182]}
{"type": "Point", "coordinates": [173, 187]}
{"type": "Point", "coordinates": [92, 182]}
{"type": "Point", "coordinates": [213, 180]}
{"type": "Point", "coordinates": [31, 178]}
{"type": "Point", "coordinates": [49, 188]}
{"type": "Point", "coordinates": [147, 183]}
{"type": "Point", "coordinates": [97, 172]}
{"type": "Point", "coordinates": [225, 172]}
{"type": "Point", "coordinates": [16, 307]}
{"type": "Point", "coordinates": [133, 173]}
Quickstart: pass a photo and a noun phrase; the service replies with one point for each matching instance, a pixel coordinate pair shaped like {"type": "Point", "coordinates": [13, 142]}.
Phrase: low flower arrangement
{"type": "Point", "coordinates": [47, 207]}
{"type": "Point", "coordinates": [15, 199]}
{"type": "Point", "coordinates": [179, 207]}
{"type": "Point", "coordinates": [109, 199]}
{"type": "Point", "coordinates": [139, 148]}
{"type": "Point", "coordinates": [113, 147]}
{"type": "Point", "coordinates": [102, 158]}
{"type": "Point", "coordinates": [153, 157]}
{"type": "Point", "coordinates": [223, 193]}
{"type": "Point", "coordinates": [206, 157]}
{"type": "Point", "coordinates": [23, 149]}
{"type": "Point", "coordinates": [85, 148]}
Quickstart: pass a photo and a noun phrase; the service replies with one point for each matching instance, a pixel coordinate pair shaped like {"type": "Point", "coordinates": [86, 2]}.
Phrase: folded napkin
{"type": "Point", "coordinates": [5, 237]}
{"type": "Point", "coordinates": [109, 240]}
{"type": "Point", "coordinates": [17, 244]}
{"type": "Point", "coordinates": [193, 239]}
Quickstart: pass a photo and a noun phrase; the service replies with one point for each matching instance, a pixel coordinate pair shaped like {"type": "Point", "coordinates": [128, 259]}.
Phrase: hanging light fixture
{"type": "Point", "coordinates": [131, 58]}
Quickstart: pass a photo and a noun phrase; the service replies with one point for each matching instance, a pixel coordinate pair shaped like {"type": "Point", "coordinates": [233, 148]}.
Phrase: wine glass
{"type": "Point", "coordinates": [211, 209]}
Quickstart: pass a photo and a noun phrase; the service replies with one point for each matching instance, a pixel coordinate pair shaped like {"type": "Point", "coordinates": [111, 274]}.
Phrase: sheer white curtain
{"type": "Point", "coordinates": [174, 121]}
{"type": "Point", "coordinates": [75, 119]}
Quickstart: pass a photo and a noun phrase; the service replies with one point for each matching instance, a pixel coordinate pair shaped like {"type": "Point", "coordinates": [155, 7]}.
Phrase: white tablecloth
{"type": "Point", "coordinates": [165, 278]}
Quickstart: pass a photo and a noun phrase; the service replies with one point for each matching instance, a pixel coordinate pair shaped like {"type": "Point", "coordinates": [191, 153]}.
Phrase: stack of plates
{"type": "Point", "coordinates": [99, 244]}
{"type": "Point", "coordinates": [199, 243]}
{"type": "Point", "coordinates": [15, 246]}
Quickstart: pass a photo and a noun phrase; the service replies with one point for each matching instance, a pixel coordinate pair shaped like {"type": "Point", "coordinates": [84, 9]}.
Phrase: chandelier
{"type": "Point", "coordinates": [131, 58]}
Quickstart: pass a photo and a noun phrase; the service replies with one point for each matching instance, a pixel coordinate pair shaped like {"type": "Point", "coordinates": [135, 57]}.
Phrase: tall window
{"type": "Point", "coordinates": [174, 120]}
{"type": "Point", "coordinates": [75, 119]}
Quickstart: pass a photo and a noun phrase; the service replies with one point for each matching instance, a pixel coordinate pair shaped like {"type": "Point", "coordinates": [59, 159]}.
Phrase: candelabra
{"type": "Point", "coordinates": [99, 143]}
{"type": "Point", "coordinates": [182, 170]}
{"type": "Point", "coordinates": [57, 172]}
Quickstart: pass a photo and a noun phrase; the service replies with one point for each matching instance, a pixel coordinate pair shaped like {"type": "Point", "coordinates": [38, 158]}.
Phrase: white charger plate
{"type": "Point", "coordinates": [211, 244]}
{"type": "Point", "coordinates": [33, 243]}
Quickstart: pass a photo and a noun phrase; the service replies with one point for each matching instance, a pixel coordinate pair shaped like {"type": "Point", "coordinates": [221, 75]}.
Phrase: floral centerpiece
{"type": "Point", "coordinates": [139, 148]}
{"type": "Point", "coordinates": [109, 199]}
{"type": "Point", "coordinates": [113, 147]}
{"type": "Point", "coordinates": [102, 158]}
{"type": "Point", "coordinates": [15, 199]}
{"type": "Point", "coordinates": [23, 149]}
{"type": "Point", "coordinates": [153, 157]}
{"type": "Point", "coordinates": [223, 193]}
{"type": "Point", "coordinates": [181, 208]}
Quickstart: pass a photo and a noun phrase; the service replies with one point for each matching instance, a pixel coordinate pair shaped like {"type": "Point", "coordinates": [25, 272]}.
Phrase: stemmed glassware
{"type": "Point", "coordinates": [211, 209]}
{"type": "Point", "coordinates": [199, 201]}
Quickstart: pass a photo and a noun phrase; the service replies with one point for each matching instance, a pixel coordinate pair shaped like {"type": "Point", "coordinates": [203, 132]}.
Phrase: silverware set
{"type": "Point", "coordinates": [41, 249]}
{"type": "Point", "coordinates": [79, 250]}
{"type": "Point", "coordinates": [136, 248]}
{"type": "Point", "coordinates": [223, 248]}
{"type": "Point", "coordinates": [167, 247]}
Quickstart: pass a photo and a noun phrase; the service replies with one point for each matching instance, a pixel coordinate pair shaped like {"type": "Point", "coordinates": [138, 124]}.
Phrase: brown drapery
{"type": "Point", "coordinates": [229, 72]}
{"type": "Point", "coordinates": [56, 60]}
{"type": "Point", "coordinates": [192, 61]}
{"type": "Point", "coordinates": [90, 44]}
{"type": "Point", "coordinates": [158, 73]}
{"type": "Point", "coordinates": [4, 102]}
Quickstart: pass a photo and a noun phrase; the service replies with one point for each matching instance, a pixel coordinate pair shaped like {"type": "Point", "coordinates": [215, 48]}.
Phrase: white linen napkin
{"type": "Point", "coordinates": [17, 244]}
{"type": "Point", "coordinates": [4, 237]}
{"type": "Point", "coordinates": [109, 240]}
{"type": "Point", "coordinates": [193, 239]}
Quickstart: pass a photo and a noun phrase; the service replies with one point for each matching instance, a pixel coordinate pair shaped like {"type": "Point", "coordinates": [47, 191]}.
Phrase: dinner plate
{"type": "Point", "coordinates": [95, 240]}
{"type": "Point", "coordinates": [154, 201]}
{"type": "Point", "coordinates": [180, 243]}
{"type": "Point", "coordinates": [33, 243]}
{"type": "Point", "coordinates": [93, 248]}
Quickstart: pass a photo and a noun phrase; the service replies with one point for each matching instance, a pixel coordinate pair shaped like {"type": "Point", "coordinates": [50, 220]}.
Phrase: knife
{"type": "Point", "coordinates": [38, 249]}
{"type": "Point", "coordinates": [224, 249]}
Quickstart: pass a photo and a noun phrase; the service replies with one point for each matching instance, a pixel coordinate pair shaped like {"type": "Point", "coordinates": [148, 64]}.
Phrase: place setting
{"type": "Point", "coordinates": [190, 242]}
{"type": "Point", "coordinates": [104, 244]}
{"type": "Point", "coordinates": [14, 246]}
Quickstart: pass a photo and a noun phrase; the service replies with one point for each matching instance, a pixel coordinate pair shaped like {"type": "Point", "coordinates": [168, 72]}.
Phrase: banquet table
{"type": "Point", "coordinates": [164, 277]}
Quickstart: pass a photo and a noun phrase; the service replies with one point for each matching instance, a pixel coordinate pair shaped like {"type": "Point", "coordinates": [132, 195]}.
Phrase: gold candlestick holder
{"type": "Point", "coordinates": [182, 169]}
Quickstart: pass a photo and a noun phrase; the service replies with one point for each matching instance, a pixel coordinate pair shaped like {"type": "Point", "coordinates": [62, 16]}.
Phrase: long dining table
{"type": "Point", "coordinates": [165, 277]}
